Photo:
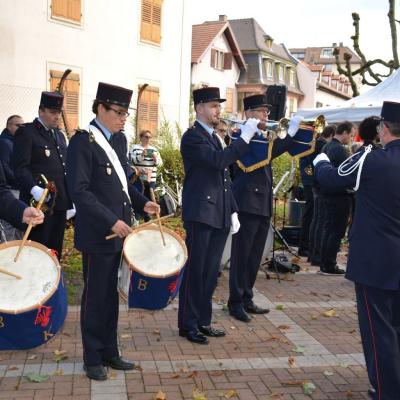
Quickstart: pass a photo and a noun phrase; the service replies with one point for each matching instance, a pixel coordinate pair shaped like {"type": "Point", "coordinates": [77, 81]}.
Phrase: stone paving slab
{"type": "Point", "coordinates": [269, 358]}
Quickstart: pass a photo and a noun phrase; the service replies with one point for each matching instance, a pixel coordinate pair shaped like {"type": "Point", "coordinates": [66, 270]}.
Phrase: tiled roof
{"type": "Point", "coordinates": [251, 37]}
{"type": "Point", "coordinates": [312, 55]}
{"type": "Point", "coordinates": [204, 34]}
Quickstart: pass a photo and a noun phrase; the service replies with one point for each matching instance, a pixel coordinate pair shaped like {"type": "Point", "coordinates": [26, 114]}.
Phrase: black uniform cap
{"type": "Point", "coordinates": [390, 111]}
{"type": "Point", "coordinates": [52, 100]}
{"type": "Point", "coordinates": [255, 101]}
{"type": "Point", "coordinates": [207, 94]}
{"type": "Point", "coordinates": [112, 94]}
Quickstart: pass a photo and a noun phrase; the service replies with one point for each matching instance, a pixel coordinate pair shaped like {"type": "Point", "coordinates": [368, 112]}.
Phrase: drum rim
{"type": "Point", "coordinates": [47, 251]}
{"type": "Point", "coordinates": [133, 268]}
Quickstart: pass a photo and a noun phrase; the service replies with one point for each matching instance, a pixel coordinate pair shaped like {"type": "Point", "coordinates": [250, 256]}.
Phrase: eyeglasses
{"type": "Point", "coordinates": [222, 131]}
{"type": "Point", "coordinates": [262, 110]}
{"type": "Point", "coordinates": [146, 137]}
{"type": "Point", "coordinates": [121, 114]}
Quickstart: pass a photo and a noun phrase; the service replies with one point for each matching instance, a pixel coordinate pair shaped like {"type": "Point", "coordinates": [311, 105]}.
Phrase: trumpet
{"type": "Point", "coordinates": [281, 127]}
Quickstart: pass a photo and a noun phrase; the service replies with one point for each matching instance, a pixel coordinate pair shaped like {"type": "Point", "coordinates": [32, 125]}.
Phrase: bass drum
{"type": "Point", "coordinates": [226, 255]}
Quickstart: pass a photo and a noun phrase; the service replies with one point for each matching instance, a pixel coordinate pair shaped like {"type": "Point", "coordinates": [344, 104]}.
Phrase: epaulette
{"type": "Point", "coordinates": [85, 132]}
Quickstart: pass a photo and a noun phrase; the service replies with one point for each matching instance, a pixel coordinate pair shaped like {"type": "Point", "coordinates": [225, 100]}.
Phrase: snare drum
{"type": "Point", "coordinates": [33, 308]}
{"type": "Point", "coordinates": [151, 273]}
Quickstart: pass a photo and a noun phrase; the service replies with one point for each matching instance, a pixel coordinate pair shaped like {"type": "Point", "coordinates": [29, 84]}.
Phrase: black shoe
{"type": "Point", "coordinates": [239, 314]}
{"type": "Point", "coordinates": [212, 332]}
{"type": "Point", "coordinates": [118, 363]}
{"type": "Point", "coordinates": [332, 271]}
{"type": "Point", "coordinates": [254, 309]}
{"type": "Point", "coordinates": [96, 372]}
{"type": "Point", "coordinates": [303, 253]}
{"type": "Point", "coordinates": [193, 336]}
{"type": "Point", "coordinates": [315, 262]}
{"type": "Point", "coordinates": [371, 392]}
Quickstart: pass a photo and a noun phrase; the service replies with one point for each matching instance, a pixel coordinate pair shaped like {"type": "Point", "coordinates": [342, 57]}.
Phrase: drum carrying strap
{"type": "Point", "coordinates": [112, 156]}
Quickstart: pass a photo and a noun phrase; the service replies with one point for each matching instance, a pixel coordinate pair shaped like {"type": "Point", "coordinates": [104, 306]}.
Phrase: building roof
{"type": "Point", "coordinates": [203, 35]}
{"type": "Point", "coordinates": [312, 55]}
{"type": "Point", "coordinates": [251, 37]}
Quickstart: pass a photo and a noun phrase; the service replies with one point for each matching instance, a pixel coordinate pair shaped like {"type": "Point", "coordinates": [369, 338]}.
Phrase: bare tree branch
{"type": "Point", "coordinates": [393, 32]}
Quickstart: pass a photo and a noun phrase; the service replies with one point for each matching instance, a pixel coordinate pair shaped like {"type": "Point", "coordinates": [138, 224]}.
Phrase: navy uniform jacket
{"type": "Point", "coordinates": [253, 190]}
{"type": "Point", "coordinates": [36, 152]}
{"type": "Point", "coordinates": [207, 195]}
{"type": "Point", "coordinates": [97, 192]}
{"type": "Point", "coordinates": [6, 149]}
{"type": "Point", "coordinates": [11, 208]}
{"type": "Point", "coordinates": [374, 253]}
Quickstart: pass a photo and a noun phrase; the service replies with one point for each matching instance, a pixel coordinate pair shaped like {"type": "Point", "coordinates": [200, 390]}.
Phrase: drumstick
{"type": "Point", "coordinates": [153, 199]}
{"type": "Point", "coordinates": [114, 235]}
{"type": "Point", "coordinates": [28, 229]}
{"type": "Point", "coordinates": [5, 272]}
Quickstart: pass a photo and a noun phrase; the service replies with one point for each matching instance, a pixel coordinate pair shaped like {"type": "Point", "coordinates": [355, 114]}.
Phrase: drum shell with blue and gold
{"type": "Point", "coordinates": [33, 308]}
{"type": "Point", "coordinates": [151, 273]}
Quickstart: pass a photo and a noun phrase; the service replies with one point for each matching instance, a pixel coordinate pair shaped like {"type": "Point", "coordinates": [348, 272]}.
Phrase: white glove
{"type": "Point", "coordinates": [235, 224]}
{"type": "Point", "coordinates": [249, 129]}
{"type": "Point", "coordinates": [71, 213]}
{"type": "Point", "coordinates": [294, 125]}
{"type": "Point", "coordinates": [320, 157]}
{"type": "Point", "coordinates": [37, 192]}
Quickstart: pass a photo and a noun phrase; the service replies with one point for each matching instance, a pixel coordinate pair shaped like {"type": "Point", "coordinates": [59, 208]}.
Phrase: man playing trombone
{"type": "Point", "coordinates": [253, 194]}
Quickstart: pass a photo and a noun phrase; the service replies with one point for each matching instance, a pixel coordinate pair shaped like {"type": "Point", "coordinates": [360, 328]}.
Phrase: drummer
{"type": "Point", "coordinates": [97, 169]}
{"type": "Point", "coordinates": [13, 210]}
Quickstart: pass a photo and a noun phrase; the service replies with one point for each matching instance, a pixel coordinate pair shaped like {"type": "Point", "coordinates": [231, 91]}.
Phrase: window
{"type": "Point", "coordinates": [328, 67]}
{"type": "Point", "coordinates": [69, 10]}
{"type": "Point", "coordinates": [229, 100]}
{"type": "Point", "coordinates": [318, 104]}
{"type": "Point", "coordinates": [150, 24]}
{"type": "Point", "coordinates": [291, 107]}
{"type": "Point", "coordinates": [217, 59]}
{"type": "Point", "coordinates": [71, 96]}
{"type": "Point", "coordinates": [300, 56]}
{"type": "Point", "coordinates": [281, 72]}
{"type": "Point", "coordinates": [327, 53]}
{"type": "Point", "coordinates": [148, 110]}
{"type": "Point", "coordinates": [269, 69]}
{"type": "Point", "coordinates": [291, 77]}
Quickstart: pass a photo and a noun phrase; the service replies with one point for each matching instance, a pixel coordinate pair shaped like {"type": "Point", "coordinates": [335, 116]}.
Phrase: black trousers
{"type": "Point", "coordinates": [337, 216]}
{"type": "Point", "coordinates": [51, 232]}
{"type": "Point", "coordinates": [307, 218]}
{"type": "Point", "coordinates": [317, 227]}
{"type": "Point", "coordinates": [379, 319]}
{"type": "Point", "coordinates": [247, 249]}
{"type": "Point", "coordinates": [205, 246]}
{"type": "Point", "coordinates": [100, 307]}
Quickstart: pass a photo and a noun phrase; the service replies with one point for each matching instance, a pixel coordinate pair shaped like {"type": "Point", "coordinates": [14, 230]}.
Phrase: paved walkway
{"type": "Point", "coordinates": [278, 356]}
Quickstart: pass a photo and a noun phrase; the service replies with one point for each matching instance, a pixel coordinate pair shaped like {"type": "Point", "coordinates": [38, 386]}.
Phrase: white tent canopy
{"type": "Point", "coordinates": [360, 107]}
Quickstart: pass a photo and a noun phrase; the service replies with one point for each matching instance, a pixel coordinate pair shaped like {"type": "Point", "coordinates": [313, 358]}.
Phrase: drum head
{"type": "Point", "coordinates": [40, 273]}
{"type": "Point", "coordinates": [144, 252]}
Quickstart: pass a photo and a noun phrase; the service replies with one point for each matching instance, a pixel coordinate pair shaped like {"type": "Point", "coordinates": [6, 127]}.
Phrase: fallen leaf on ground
{"type": "Point", "coordinates": [343, 365]}
{"type": "Point", "coordinates": [60, 355]}
{"type": "Point", "coordinates": [279, 307]}
{"type": "Point", "coordinates": [352, 331]}
{"type": "Point", "coordinates": [175, 376]}
{"type": "Point", "coordinates": [199, 395]}
{"type": "Point", "coordinates": [279, 296]}
{"type": "Point", "coordinates": [298, 349]}
{"type": "Point", "coordinates": [314, 316]}
{"type": "Point", "coordinates": [283, 327]}
{"type": "Point", "coordinates": [330, 313]}
{"type": "Point", "coordinates": [160, 395]}
{"type": "Point", "coordinates": [36, 377]}
{"type": "Point", "coordinates": [276, 396]}
{"type": "Point", "coordinates": [292, 362]}
{"type": "Point", "coordinates": [126, 336]}
{"type": "Point", "coordinates": [58, 372]}
{"type": "Point", "coordinates": [328, 373]}
{"type": "Point", "coordinates": [12, 368]}
{"type": "Point", "coordinates": [308, 388]}
{"type": "Point", "coordinates": [293, 383]}
{"type": "Point", "coordinates": [230, 393]}
{"type": "Point", "coordinates": [112, 375]}
{"type": "Point", "coordinates": [138, 368]}
{"type": "Point", "coordinates": [156, 332]}
{"type": "Point", "coordinates": [32, 357]}
{"type": "Point", "coordinates": [217, 373]}
{"type": "Point", "coordinates": [192, 374]}
{"type": "Point", "coordinates": [349, 395]}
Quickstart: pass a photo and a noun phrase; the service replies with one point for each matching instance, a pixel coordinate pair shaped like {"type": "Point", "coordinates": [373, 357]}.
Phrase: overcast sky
{"type": "Point", "coordinates": [302, 23]}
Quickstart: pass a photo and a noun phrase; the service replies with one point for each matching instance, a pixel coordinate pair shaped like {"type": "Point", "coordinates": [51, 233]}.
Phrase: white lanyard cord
{"type": "Point", "coordinates": [346, 168]}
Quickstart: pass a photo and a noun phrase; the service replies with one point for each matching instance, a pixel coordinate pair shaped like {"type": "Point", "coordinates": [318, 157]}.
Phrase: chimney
{"type": "Point", "coordinates": [223, 18]}
{"type": "Point", "coordinates": [341, 44]}
{"type": "Point", "coordinates": [334, 44]}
